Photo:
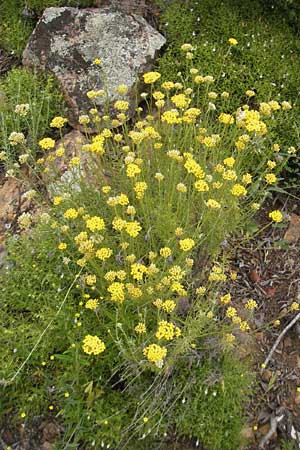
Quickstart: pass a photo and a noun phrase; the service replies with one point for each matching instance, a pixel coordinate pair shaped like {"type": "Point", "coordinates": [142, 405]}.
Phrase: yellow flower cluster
{"type": "Point", "coordinates": [167, 330]}
{"type": "Point", "coordinates": [92, 345]}
{"type": "Point", "coordinates": [58, 122]}
{"type": "Point", "coordinates": [186, 244]}
{"type": "Point", "coordinates": [276, 216]}
{"type": "Point", "coordinates": [151, 77]}
{"type": "Point", "coordinates": [140, 188]}
{"type": "Point", "coordinates": [140, 328]}
{"type": "Point", "coordinates": [138, 270]}
{"type": "Point", "coordinates": [47, 143]}
{"type": "Point", "coordinates": [250, 121]}
{"type": "Point", "coordinates": [116, 291]}
{"type": "Point", "coordinates": [92, 304]}
{"type": "Point", "coordinates": [155, 353]}
{"type": "Point", "coordinates": [104, 253]}
{"type": "Point", "coordinates": [95, 223]}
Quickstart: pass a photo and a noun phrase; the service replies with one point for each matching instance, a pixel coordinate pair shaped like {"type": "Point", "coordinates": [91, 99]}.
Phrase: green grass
{"type": "Point", "coordinates": [41, 93]}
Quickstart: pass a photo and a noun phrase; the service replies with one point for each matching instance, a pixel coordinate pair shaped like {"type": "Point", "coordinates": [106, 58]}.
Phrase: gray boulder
{"type": "Point", "coordinates": [67, 40]}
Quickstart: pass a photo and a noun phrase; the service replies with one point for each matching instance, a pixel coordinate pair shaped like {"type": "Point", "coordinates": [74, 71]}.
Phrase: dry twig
{"type": "Point", "coordinates": [282, 334]}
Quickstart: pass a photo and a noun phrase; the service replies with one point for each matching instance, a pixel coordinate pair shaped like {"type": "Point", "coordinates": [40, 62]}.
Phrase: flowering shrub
{"type": "Point", "coordinates": [154, 201]}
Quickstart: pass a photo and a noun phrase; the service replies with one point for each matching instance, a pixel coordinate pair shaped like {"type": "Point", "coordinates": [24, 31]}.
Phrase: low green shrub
{"type": "Point", "coordinates": [114, 311]}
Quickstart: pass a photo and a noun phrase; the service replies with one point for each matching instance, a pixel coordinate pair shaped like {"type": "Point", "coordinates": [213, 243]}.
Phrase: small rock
{"type": "Point", "coordinates": [47, 446]}
{"type": "Point", "coordinates": [270, 291]}
{"type": "Point", "coordinates": [7, 437]}
{"type": "Point", "coordinates": [51, 432]}
{"type": "Point", "coordinates": [288, 342]}
{"type": "Point", "coordinates": [248, 433]}
{"type": "Point", "coordinates": [297, 398]}
{"type": "Point", "coordinates": [254, 276]}
{"type": "Point", "coordinates": [266, 375]}
{"type": "Point", "coordinates": [293, 232]}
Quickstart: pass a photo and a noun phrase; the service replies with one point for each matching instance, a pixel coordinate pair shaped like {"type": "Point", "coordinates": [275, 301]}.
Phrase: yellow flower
{"type": "Point", "coordinates": [122, 89]}
{"type": "Point", "coordinates": [181, 187]}
{"type": "Point", "coordinates": [95, 223]}
{"type": "Point", "coordinates": [57, 200]}
{"type": "Point", "coordinates": [118, 223]}
{"type": "Point", "coordinates": [271, 164]}
{"type": "Point", "coordinates": [244, 326]}
{"type": "Point", "coordinates": [92, 345]}
{"type": "Point", "coordinates": [71, 213]}
{"type": "Point", "coordinates": [247, 178]}
{"type": "Point", "coordinates": [251, 304]}
{"type": "Point", "coordinates": [116, 291]}
{"type": "Point", "coordinates": [167, 85]}
{"type": "Point", "coordinates": [167, 330]}
{"type": "Point", "coordinates": [270, 178]}
{"type": "Point", "coordinates": [84, 119]}
{"type": "Point", "coordinates": [75, 161]}
{"type": "Point", "coordinates": [186, 244]}
{"type": "Point", "coordinates": [132, 170]}
{"type": "Point", "coordinates": [97, 61]}
{"type": "Point", "coordinates": [159, 176]}
{"type": "Point", "coordinates": [294, 306]}
{"type": "Point", "coordinates": [186, 47]}
{"type": "Point", "coordinates": [274, 105]}
{"type": "Point", "coordinates": [225, 94]}
{"type": "Point", "coordinates": [232, 41]}
{"type": "Point", "coordinates": [227, 119]}
{"type": "Point", "coordinates": [181, 101]}
{"type": "Point", "coordinates": [229, 162]}
{"type": "Point", "coordinates": [231, 312]}
{"type": "Point", "coordinates": [90, 280]}
{"type": "Point", "coordinates": [250, 93]}
{"type": "Point", "coordinates": [58, 122]}
{"type": "Point", "coordinates": [229, 338]}
{"type": "Point", "coordinates": [92, 304]}
{"type": "Point", "coordinates": [121, 105]}
{"type": "Point", "coordinates": [225, 298]}
{"type": "Point", "coordinates": [47, 143]}
{"type": "Point", "coordinates": [62, 246]}
{"type": "Point", "coordinates": [139, 188]}
{"type": "Point", "coordinates": [168, 306]}
{"type": "Point", "coordinates": [158, 95]}
{"type": "Point", "coordinates": [286, 106]}
{"type": "Point", "coordinates": [238, 190]}
{"type": "Point", "coordinates": [201, 186]}
{"type": "Point", "coordinates": [165, 252]}
{"type": "Point", "coordinates": [171, 117]}
{"type": "Point", "coordinates": [138, 270]}
{"type": "Point", "coordinates": [155, 353]}
{"type": "Point", "coordinates": [211, 203]}
{"type": "Point", "coordinates": [133, 228]}
{"type": "Point", "coordinates": [140, 328]}
{"type": "Point", "coordinates": [151, 77]}
{"type": "Point", "coordinates": [104, 253]}
{"type": "Point", "coordinates": [201, 290]}
{"type": "Point", "coordinates": [229, 175]}
{"type": "Point", "coordinates": [178, 231]}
